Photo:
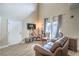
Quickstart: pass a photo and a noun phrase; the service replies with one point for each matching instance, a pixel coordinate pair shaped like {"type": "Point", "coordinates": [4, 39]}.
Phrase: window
{"type": "Point", "coordinates": [54, 29]}
{"type": "Point", "coordinates": [52, 26]}
{"type": "Point", "coordinates": [47, 27]}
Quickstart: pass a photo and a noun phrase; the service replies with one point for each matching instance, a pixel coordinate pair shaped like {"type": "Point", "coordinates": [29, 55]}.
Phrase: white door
{"type": "Point", "coordinates": [14, 31]}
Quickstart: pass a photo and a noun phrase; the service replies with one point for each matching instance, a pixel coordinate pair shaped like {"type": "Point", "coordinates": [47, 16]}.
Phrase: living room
{"type": "Point", "coordinates": [35, 14]}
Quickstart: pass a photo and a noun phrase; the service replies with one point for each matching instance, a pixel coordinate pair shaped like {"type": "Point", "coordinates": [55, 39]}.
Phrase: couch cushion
{"type": "Point", "coordinates": [48, 45]}
{"type": "Point", "coordinates": [55, 46]}
{"type": "Point", "coordinates": [40, 50]}
{"type": "Point", "coordinates": [62, 40]}
{"type": "Point", "coordinates": [52, 46]}
{"type": "Point", "coordinates": [54, 39]}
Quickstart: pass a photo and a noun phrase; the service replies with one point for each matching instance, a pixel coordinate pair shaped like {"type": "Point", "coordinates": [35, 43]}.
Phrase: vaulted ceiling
{"type": "Point", "coordinates": [22, 10]}
{"type": "Point", "coordinates": [17, 10]}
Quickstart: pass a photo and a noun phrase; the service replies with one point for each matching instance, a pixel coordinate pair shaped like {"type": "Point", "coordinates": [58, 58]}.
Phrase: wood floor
{"type": "Point", "coordinates": [22, 49]}
{"type": "Point", "coordinates": [25, 49]}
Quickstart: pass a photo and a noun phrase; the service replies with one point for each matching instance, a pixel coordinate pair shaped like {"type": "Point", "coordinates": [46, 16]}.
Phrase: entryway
{"type": "Point", "coordinates": [14, 31]}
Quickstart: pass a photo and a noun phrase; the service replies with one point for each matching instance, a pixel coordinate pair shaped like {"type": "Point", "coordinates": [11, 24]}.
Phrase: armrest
{"type": "Point", "coordinates": [58, 52]}
{"type": "Point", "coordinates": [42, 51]}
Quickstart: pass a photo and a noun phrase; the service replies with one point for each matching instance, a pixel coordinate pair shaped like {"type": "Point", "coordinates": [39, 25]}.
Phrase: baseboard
{"type": "Point", "coordinates": [9, 45]}
{"type": "Point", "coordinates": [12, 44]}
{"type": "Point", "coordinates": [4, 46]}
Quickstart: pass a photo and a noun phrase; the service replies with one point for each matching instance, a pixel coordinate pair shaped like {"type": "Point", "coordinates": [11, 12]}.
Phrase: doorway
{"type": "Point", "coordinates": [14, 31]}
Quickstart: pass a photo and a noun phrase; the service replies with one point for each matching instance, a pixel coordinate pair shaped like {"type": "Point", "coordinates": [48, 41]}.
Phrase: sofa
{"type": "Point", "coordinates": [57, 48]}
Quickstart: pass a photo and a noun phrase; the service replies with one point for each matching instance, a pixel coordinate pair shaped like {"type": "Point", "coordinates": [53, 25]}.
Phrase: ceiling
{"type": "Point", "coordinates": [17, 10]}
{"type": "Point", "coordinates": [22, 10]}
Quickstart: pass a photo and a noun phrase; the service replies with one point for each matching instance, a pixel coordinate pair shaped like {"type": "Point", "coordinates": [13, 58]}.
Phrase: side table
{"type": "Point", "coordinates": [73, 44]}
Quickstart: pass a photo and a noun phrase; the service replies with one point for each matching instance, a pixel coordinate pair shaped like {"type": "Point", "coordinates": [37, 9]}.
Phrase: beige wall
{"type": "Point", "coordinates": [69, 25]}
{"type": "Point", "coordinates": [31, 19]}
{"type": "Point", "coordinates": [52, 9]}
